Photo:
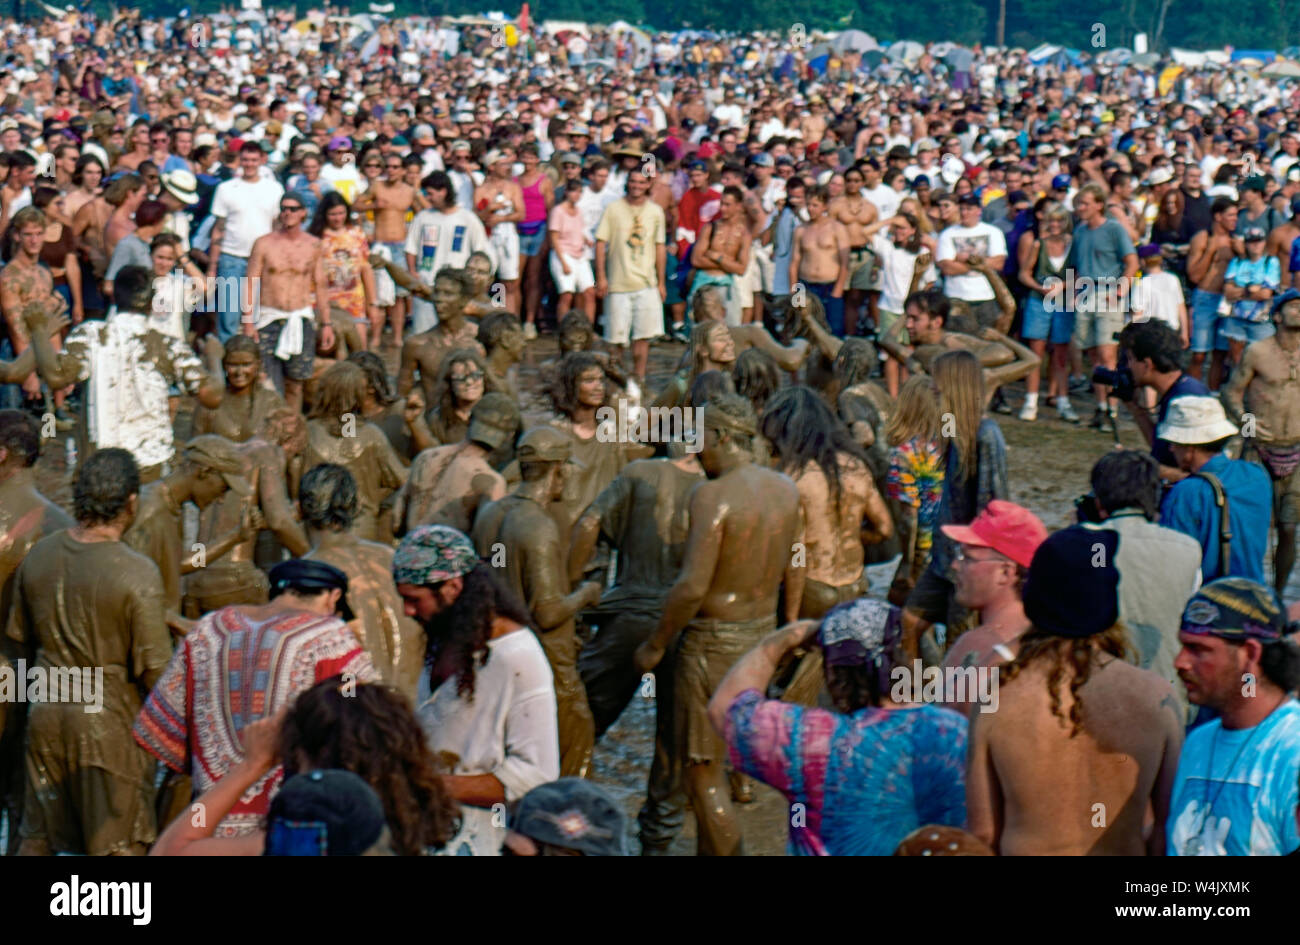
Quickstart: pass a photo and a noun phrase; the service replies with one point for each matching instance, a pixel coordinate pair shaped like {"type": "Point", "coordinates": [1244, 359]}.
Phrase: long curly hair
{"type": "Point", "coordinates": [801, 428]}
{"type": "Point", "coordinates": [443, 394]}
{"type": "Point", "coordinates": [463, 629]}
{"type": "Point", "coordinates": [1072, 656]}
{"type": "Point", "coordinates": [373, 733]}
{"type": "Point", "coordinates": [573, 365]}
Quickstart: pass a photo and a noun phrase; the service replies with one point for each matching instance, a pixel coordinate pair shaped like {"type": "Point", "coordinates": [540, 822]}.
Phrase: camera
{"type": "Point", "coordinates": [1120, 381]}
{"type": "Point", "coordinates": [1087, 510]}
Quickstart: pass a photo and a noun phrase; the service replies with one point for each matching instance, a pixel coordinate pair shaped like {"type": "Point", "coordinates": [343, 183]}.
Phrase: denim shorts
{"type": "Point", "coordinates": [1238, 329]}
{"type": "Point", "coordinates": [1205, 319]}
{"type": "Point", "coordinates": [530, 244]}
{"type": "Point", "coordinates": [1039, 324]}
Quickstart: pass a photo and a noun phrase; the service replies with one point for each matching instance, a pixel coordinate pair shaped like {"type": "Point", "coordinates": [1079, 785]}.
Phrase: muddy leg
{"type": "Point", "coordinates": [715, 816]}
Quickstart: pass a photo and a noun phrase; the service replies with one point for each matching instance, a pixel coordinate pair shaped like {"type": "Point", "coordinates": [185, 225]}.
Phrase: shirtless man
{"type": "Point", "coordinates": [1267, 384]}
{"type": "Point", "coordinates": [710, 307]}
{"type": "Point", "coordinates": [1113, 736]}
{"type": "Point", "coordinates": [131, 191]}
{"type": "Point", "coordinates": [1004, 359]}
{"type": "Point", "coordinates": [424, 352]}
{"type": "Point", "coordinates": [23, 281]}
{"type": "Point", "coordinates": [1208, 256]}
{"type": "Point", "coordinates": [449, 484]}
{"type": "Point", "coordinates": [820, 261]}
{"type": "Point", "coordinates": [519, 528]}
{"type": "Point", "coordinates": [499, 203]}
{"type": "Point", "coordinates": [749, 284]}
{"type": "Point", "coordinates": [994, 553]}
{"type": "Point", "coordinates": [744, 522]}
{"type": "Point", "coordinates": [88, 228]}
{"type": "Point", "coordinates": [502, 337]}
{"type": "Point", "coordinates": [390, 198]}
{"type": "Point", "coordinates": [857, 213]}
{"type": "Point", "coordinates": [285, 269]}
{"type": "Point", "coordinates": [721, 254]}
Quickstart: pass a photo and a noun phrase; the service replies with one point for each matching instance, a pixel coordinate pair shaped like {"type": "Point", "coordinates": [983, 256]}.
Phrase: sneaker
{"type": "Point", "coordinates": [530, 331]}
{"type": "Point", "coordinates": [1098, 421]}
{"type": "Point", "coordinates": [1078, 385]}
{"type": "Point", "coordinates": [679, 333]}
{"type": "Point", "coordinates": [1000, 404]}
{"type": "Point", "coordinates": [1066, 412]}
{"type": "Point", "coordinates": [1029, 412]}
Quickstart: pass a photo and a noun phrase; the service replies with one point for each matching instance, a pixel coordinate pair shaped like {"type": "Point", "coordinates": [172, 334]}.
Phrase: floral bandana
{"type": "Point", "coordinates": [432, 554]}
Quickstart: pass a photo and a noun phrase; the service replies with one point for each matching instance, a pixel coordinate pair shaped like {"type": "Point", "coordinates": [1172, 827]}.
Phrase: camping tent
{"type": "Point", "coordinates": [853, 41]}
{"type": "Point", "coordinates": [907, 51]}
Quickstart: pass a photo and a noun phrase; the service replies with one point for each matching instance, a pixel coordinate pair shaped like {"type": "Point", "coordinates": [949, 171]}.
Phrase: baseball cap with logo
{"type": "Point", "coordinates": [1007, 528]}
{"type": "Point", "coordinates": [573, 814]}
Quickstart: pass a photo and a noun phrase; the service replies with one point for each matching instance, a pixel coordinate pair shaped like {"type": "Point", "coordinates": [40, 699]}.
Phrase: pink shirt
{"type": "Point", "coordinates": [567, 231]}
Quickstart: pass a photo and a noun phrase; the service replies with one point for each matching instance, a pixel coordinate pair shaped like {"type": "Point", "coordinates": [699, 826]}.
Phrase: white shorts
{"type": "Point", "coordinates": [638, 314]}
{"type": "Point", "coordinates": [579, 278]}
{"type": "Point", "coordinates": [766, 268]}
{"type": "Point", "coordinates": [505, 246]}
{"type": "Point", "coordinates": [749, 282]}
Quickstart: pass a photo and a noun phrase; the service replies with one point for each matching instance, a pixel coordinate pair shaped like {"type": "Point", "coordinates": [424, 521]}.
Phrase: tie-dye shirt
{"type": "Point", "coordinates": [857, 784]}
{"type": "Point", "coordinates": [916, 479]}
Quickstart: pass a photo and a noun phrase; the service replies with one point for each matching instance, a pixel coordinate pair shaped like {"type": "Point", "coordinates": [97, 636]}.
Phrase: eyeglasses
{"type": "Point", "coordinates": [963, 555]}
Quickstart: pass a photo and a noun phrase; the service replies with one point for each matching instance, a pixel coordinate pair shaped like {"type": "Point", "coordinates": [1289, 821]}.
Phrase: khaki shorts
{"type": "Point", "coordinates": [1095, 329]}
{"type": "Point", "coordinates": [863, 275]}
{"type": "Point", "coordinates": [749, 282]}
{"type": "Point", "coordinates": [636, 315]}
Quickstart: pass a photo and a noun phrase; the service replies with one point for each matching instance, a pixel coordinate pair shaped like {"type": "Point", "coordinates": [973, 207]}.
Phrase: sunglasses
{"type": "Point", "coordinates": [292, 209]}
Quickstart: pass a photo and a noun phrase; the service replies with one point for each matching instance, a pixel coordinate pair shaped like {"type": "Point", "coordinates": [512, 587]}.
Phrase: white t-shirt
{"type": "Point", "coordinates": [509, 730]}
{"type": "Point", "coordinates": [346, 180]}
{"type": "Point", "coordinates": [592, 205]}
{"type": "Point", "coordinates": [249, 211]}
{"type": "Point", "coordinates": [897, 266]}
{"type": "Point", "coordinates": [982, 238]}
{"type": "Point", "coordinates": [1156, 298]}
{"type": "Point", "coordinates": [885, 199]}
{"type": "Point", "coordinates": [438, 240]}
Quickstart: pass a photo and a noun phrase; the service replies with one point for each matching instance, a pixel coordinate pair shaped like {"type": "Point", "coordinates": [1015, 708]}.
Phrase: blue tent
{"type": "Point", "coordinates": [1263, 55]}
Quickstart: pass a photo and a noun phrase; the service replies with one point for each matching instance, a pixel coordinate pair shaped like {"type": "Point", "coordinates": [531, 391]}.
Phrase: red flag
{"type": "Point", "coordinates": [523, 19]}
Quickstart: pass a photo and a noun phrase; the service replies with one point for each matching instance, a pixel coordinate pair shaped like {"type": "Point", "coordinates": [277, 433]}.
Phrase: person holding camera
{"type": "Point", "coordinates": [1153, 358]}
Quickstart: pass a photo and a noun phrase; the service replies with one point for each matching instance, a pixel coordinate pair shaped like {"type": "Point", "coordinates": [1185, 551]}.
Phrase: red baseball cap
{"type": "Point", "coordinates": [1005, 527]}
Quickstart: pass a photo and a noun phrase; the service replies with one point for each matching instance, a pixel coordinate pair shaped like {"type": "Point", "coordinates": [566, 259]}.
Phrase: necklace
{"type": "Point", "coordinates": [1193, 845]}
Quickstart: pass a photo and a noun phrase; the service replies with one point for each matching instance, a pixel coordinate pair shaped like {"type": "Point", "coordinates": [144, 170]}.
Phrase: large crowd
{"type": "Point", "coordinates": [348, 568]}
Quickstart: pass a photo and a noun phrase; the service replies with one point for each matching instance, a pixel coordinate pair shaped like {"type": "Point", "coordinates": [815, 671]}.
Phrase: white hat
{"type": "Point", "coordinates": [1161, 175]}
{"type": "Point", "coordinates": [1193, 421]}
{"type": "Point", "coordinates": [181, 184]}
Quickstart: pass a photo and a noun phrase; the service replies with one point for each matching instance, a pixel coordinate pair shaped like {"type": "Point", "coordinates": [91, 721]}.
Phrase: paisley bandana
{"type": "Point", "coordinates": [432, 554]}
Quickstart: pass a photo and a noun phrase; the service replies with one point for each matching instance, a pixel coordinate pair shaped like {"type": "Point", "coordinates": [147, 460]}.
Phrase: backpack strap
{"type": "Point", "coordinates": [1225, 526]}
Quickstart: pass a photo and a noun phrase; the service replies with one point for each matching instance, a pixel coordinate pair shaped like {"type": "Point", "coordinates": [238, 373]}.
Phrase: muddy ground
{"type": "Point", "coordinates": [1048, 463]}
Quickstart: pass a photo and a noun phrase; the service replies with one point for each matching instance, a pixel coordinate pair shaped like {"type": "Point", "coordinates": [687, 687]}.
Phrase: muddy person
{"type": "Point", "coordinates": [24, 280]}
{"type": "Point", "coordinates": [247, 403]}
{"type": "Point", "coordinates": [339, 433]}
{"type": "Point", "coordinates": [644, 514]}
{"type": "Point", "coordinates": [26, 516]}
{"type": "Point", "coordinates": [1113, 731]}
{"type": "Point", "coordinates": [242, 664]}
{"type": "Point", "coordinates": [1267, 385]}
{"type": "Point", "coordinates": [519, 528]}
{"type": "Point", "coordinates": [128, 368]}
{"type": "Point", "coordinates": [744, 523]}
{"type": "Point", "coordinates": [89, 789]}
{"type": "Point", "coordinates": [235, 578]}
{"type": "Point", "coordinates": [210, 466]}
{"type": "Point", "coordinates": [285, 269]}
{"type": "Point", "coordinates": [448, 484]}
{"type": "Point", "coordinates": [327, 500]}
{"type": "Point", "coordinates": [425, 352]}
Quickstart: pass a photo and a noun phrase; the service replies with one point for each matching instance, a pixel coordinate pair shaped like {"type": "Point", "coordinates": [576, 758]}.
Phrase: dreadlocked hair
{"type": "Point", "coordinates": [372, 731]}
{"type": "Point", "coordinates": [1074, 656]}
{"type": "Point", "coordinates": [802, 429]}
{"type": "Point", "coordinates": [463, 629]}
{"type": "Point", "coordinates": [854, 362]}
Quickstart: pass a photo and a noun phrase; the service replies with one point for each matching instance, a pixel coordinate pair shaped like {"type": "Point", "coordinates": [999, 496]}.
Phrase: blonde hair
{"type": "Point", "coordinates": [923, 224]}
{"type": "Point", "coordinates": [960, 380]}
{"type": "Point", "coordinates": [916, 413]}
